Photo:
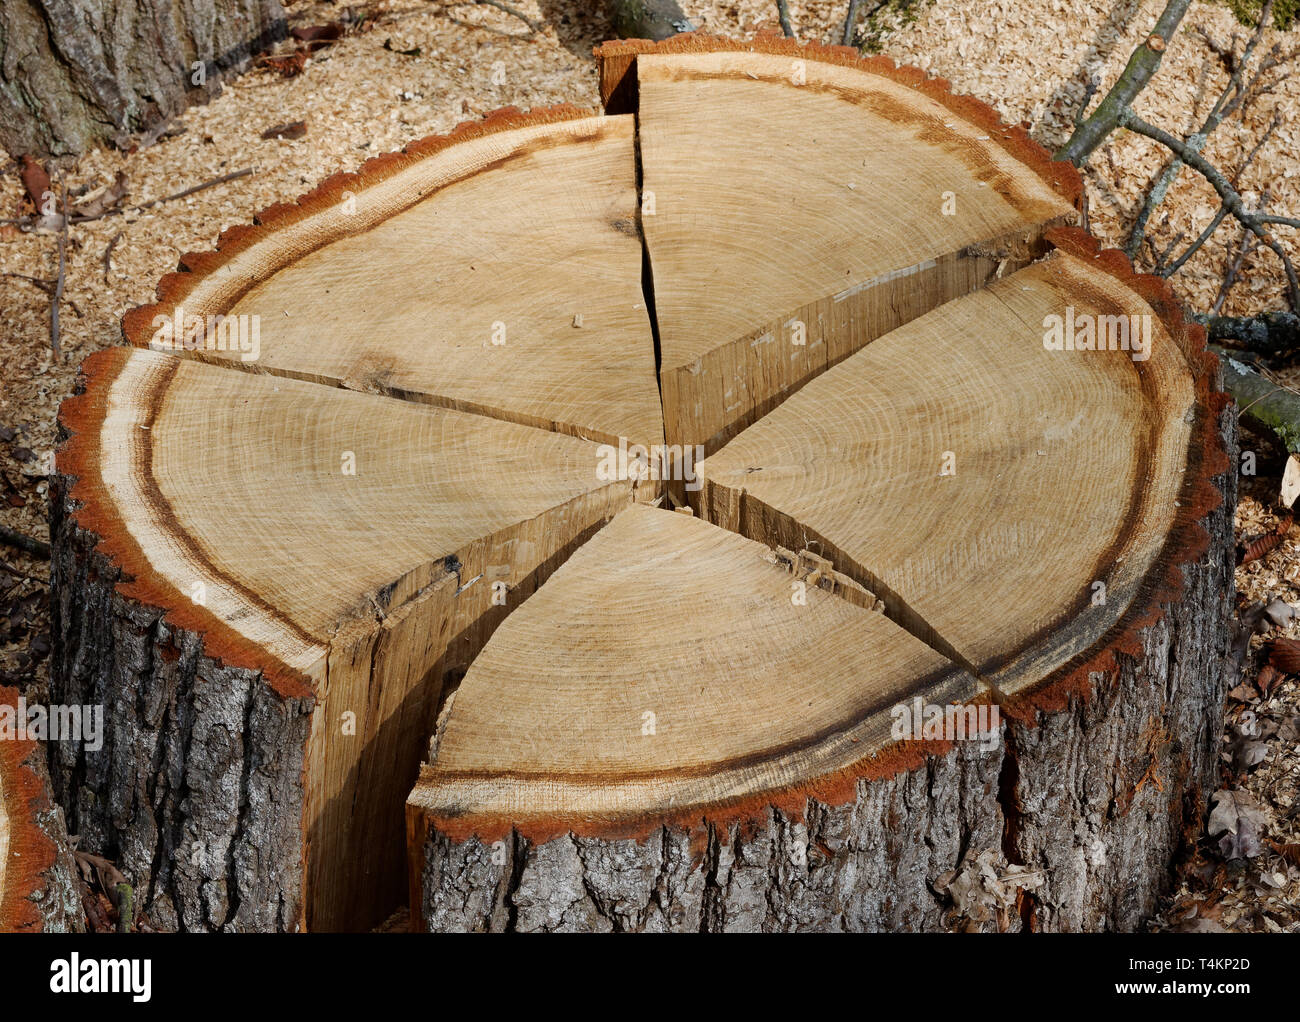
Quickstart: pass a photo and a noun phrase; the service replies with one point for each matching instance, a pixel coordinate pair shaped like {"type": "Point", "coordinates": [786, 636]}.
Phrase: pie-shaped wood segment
{"type": "Point", "coordinates": [497, 270]}
{"type": "Point", "coordinates": [796, 205]}
{"type": "Point", "coordinates": [1011, 499]}
{"type": "Point", "coordinates": [349, 548]}
{"type": "Point", "coordinates": [666, 668]}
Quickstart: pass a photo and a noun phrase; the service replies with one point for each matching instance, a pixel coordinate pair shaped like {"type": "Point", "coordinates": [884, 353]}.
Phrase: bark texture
{"type": "Point", "coordinates": [1091, 802]}
{"type": "Point", "coordinates": [197, 791]}
{"type": "Point", "coordinates": [43, 894]}
{"type": "Point", "coordinates": [75, 72]}
{"type": "Point", "coordinates": [648, 19]}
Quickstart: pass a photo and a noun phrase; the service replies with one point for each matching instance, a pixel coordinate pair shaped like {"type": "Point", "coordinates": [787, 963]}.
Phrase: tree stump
{"type": "Point", "coordinates": [38, 886]}
{"type": "Point", "coordinates": [806, 299]}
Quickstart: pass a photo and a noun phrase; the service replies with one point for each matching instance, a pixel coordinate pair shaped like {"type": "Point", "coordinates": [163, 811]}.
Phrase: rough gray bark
{"type": "Point", "coordinates": [1106, 791]}
{"type": "Point", "coordinates": [1094, 799]}
{"type": "Point", "coordinates": [775, 877]}
{"type": "Point", "coordinates": [75, 72]}
{"type": "Point", "coordinates": [54, 904]}
{"type": "Point", "coordinates": [648, 19]}
{"type": "Point", "coordinates": [197, 792]}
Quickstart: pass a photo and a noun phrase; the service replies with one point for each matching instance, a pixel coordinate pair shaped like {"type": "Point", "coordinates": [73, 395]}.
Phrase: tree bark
{"type": "Point", "coordinates": [196, 793]}
{"type": "Point", "coordinates": [648, 19]}
{"type": "Point", "coordinates": [76, 72]}
{"type": "Point", "coordinates": [39, 891]}
{"type": "Point", "coordinates": [1091, 801]}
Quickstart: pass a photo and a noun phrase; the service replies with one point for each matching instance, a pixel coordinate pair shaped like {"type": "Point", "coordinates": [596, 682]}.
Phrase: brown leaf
{"type": "Point", "coordinates": [290, 65]}
{"type": "Point", "coordinates": [1290, 852]}
{"type": "Point", "coordinates": [320, 34]}
{"type": "Point", "coordinates": [1255, 547]}
{"type": "Point", "coordinates": [35, 181]}
{"type": "Point", "coordinates": [1268, 677]}
{"type": "Point", "coordinates": [1284, 655]}
{"type": "Point", "coordinates": [104, 871]}
{"type": "Point", "coordinates": [292, 130]}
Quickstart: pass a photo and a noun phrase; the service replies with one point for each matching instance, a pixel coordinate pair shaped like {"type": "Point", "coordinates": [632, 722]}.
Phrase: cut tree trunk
{"type": "Point", "coordinates": [281, 581]}
{"type": "Point", "coordinates": [38, 879]}
{"type": "Point", "coordinates": [77, 72]}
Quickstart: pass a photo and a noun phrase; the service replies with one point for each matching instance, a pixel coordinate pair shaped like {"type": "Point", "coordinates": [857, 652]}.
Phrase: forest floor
{"type": "Point", "coordinates": [403, 69]}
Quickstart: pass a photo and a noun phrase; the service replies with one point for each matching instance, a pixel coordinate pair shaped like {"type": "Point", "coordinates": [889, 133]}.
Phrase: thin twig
{"type": "Point", "coordinates": [25, 543]}
{"type": "Point", "coordinates": [108, 254]}
{"type": "Point", "coordinates": [1192, 249]}
{"type": "Point", "coordinates": [1234, 268]}
{"type": "Point", "coordinates": [58, 283]}
{"type": "Point", "coordinates": [783, 14]}
{"type": "Point", "coordinates": [851, 21]}
{"type": "Point", "coordinates": [532, 25]}
{"type": "Point", "coordinates": [1285, 221]}
{"type": "Point", "coordinates": [1227, 193]}
{"type": "Point", "coordinates": [233, 176]}
{"type": "Point", "coordinates": [1230, 100]}
{"type": "Point", "coordinates": [1089, 91]}
{"type": "Point", "coordinates": [1222, 214]}
{"type": "Point", "coordinates": [45, 285]}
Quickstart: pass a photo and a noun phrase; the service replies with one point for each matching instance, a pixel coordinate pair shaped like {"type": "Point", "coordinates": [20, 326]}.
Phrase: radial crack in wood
{"type": "Point", "coordinates": [456, 273]}
{"type": "Point", "coordinates": [797, 204]}
{"type": "Point", "coordinates": [339, 554]}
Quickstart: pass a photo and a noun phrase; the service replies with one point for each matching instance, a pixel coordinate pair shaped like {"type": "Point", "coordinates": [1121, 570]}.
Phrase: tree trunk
{"type": "Point", "coordinates": [38, 879]}
{"type": "Point", "coordinates": [791, 291]}
{"type": "Point", "coordinates": [80, 72]}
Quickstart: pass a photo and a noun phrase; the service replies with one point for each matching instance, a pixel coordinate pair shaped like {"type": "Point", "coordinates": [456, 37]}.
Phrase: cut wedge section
{"type": "Point", "coordinates": [668, 668]}
{"type": "Point", "coordinates": [1008, 501]}
{"type": "Point", "coordinates": [346, 552]}
{"type": "Point", "coordinates": [497, 270]}
{"type": "Point", "coordinates": [797, 204]}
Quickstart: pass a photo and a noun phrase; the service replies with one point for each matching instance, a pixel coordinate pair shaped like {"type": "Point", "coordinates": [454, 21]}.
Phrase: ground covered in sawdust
{"type": "Point", "coordinates": [404, 69]}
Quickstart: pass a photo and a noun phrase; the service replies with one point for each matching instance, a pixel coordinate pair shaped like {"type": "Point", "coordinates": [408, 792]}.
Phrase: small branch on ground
{"type": "Point", "coordinates": [783, 15]}
{"type": "Point", "coordinates": [851, 22]}
{"type": "Point", "coordinates": [1144, 63]}
{"type": "Point", "coordinates": [533, 26]}
{"type": "Point", "coordinates": [1274, 336]}
{"type": "Point", "coordinates": [19, 541]}
{"type": "Point", "coordinates": [232, 176]}
{"type": "Point", "coordinates": [1261, 403]}
{"type": "Point", "coordinates": [1244, 249]}
{"type": "Point", "coordinates": [107, 257]}
{"type": "Point", "coordinates": [1232, 98]}
{"type": "Point", "coordinates": [1227, 193]}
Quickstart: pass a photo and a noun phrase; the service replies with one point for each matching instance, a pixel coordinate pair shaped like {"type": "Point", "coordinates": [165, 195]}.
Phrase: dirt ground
{"type": "Point", "coordinates": [405, 69]}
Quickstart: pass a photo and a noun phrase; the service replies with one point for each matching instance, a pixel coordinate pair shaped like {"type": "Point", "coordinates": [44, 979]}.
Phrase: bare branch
{"type": "Point", "coordinates": [1144, 63]}
{"type": "Point", "coordinates": [783, 13]}
{"type": "Point", "coordinates": [1220, 184]}
{"type": "Point", "coordinates": [851, 21]}
{"type": "Point", "coordinates": [1231, 99]}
